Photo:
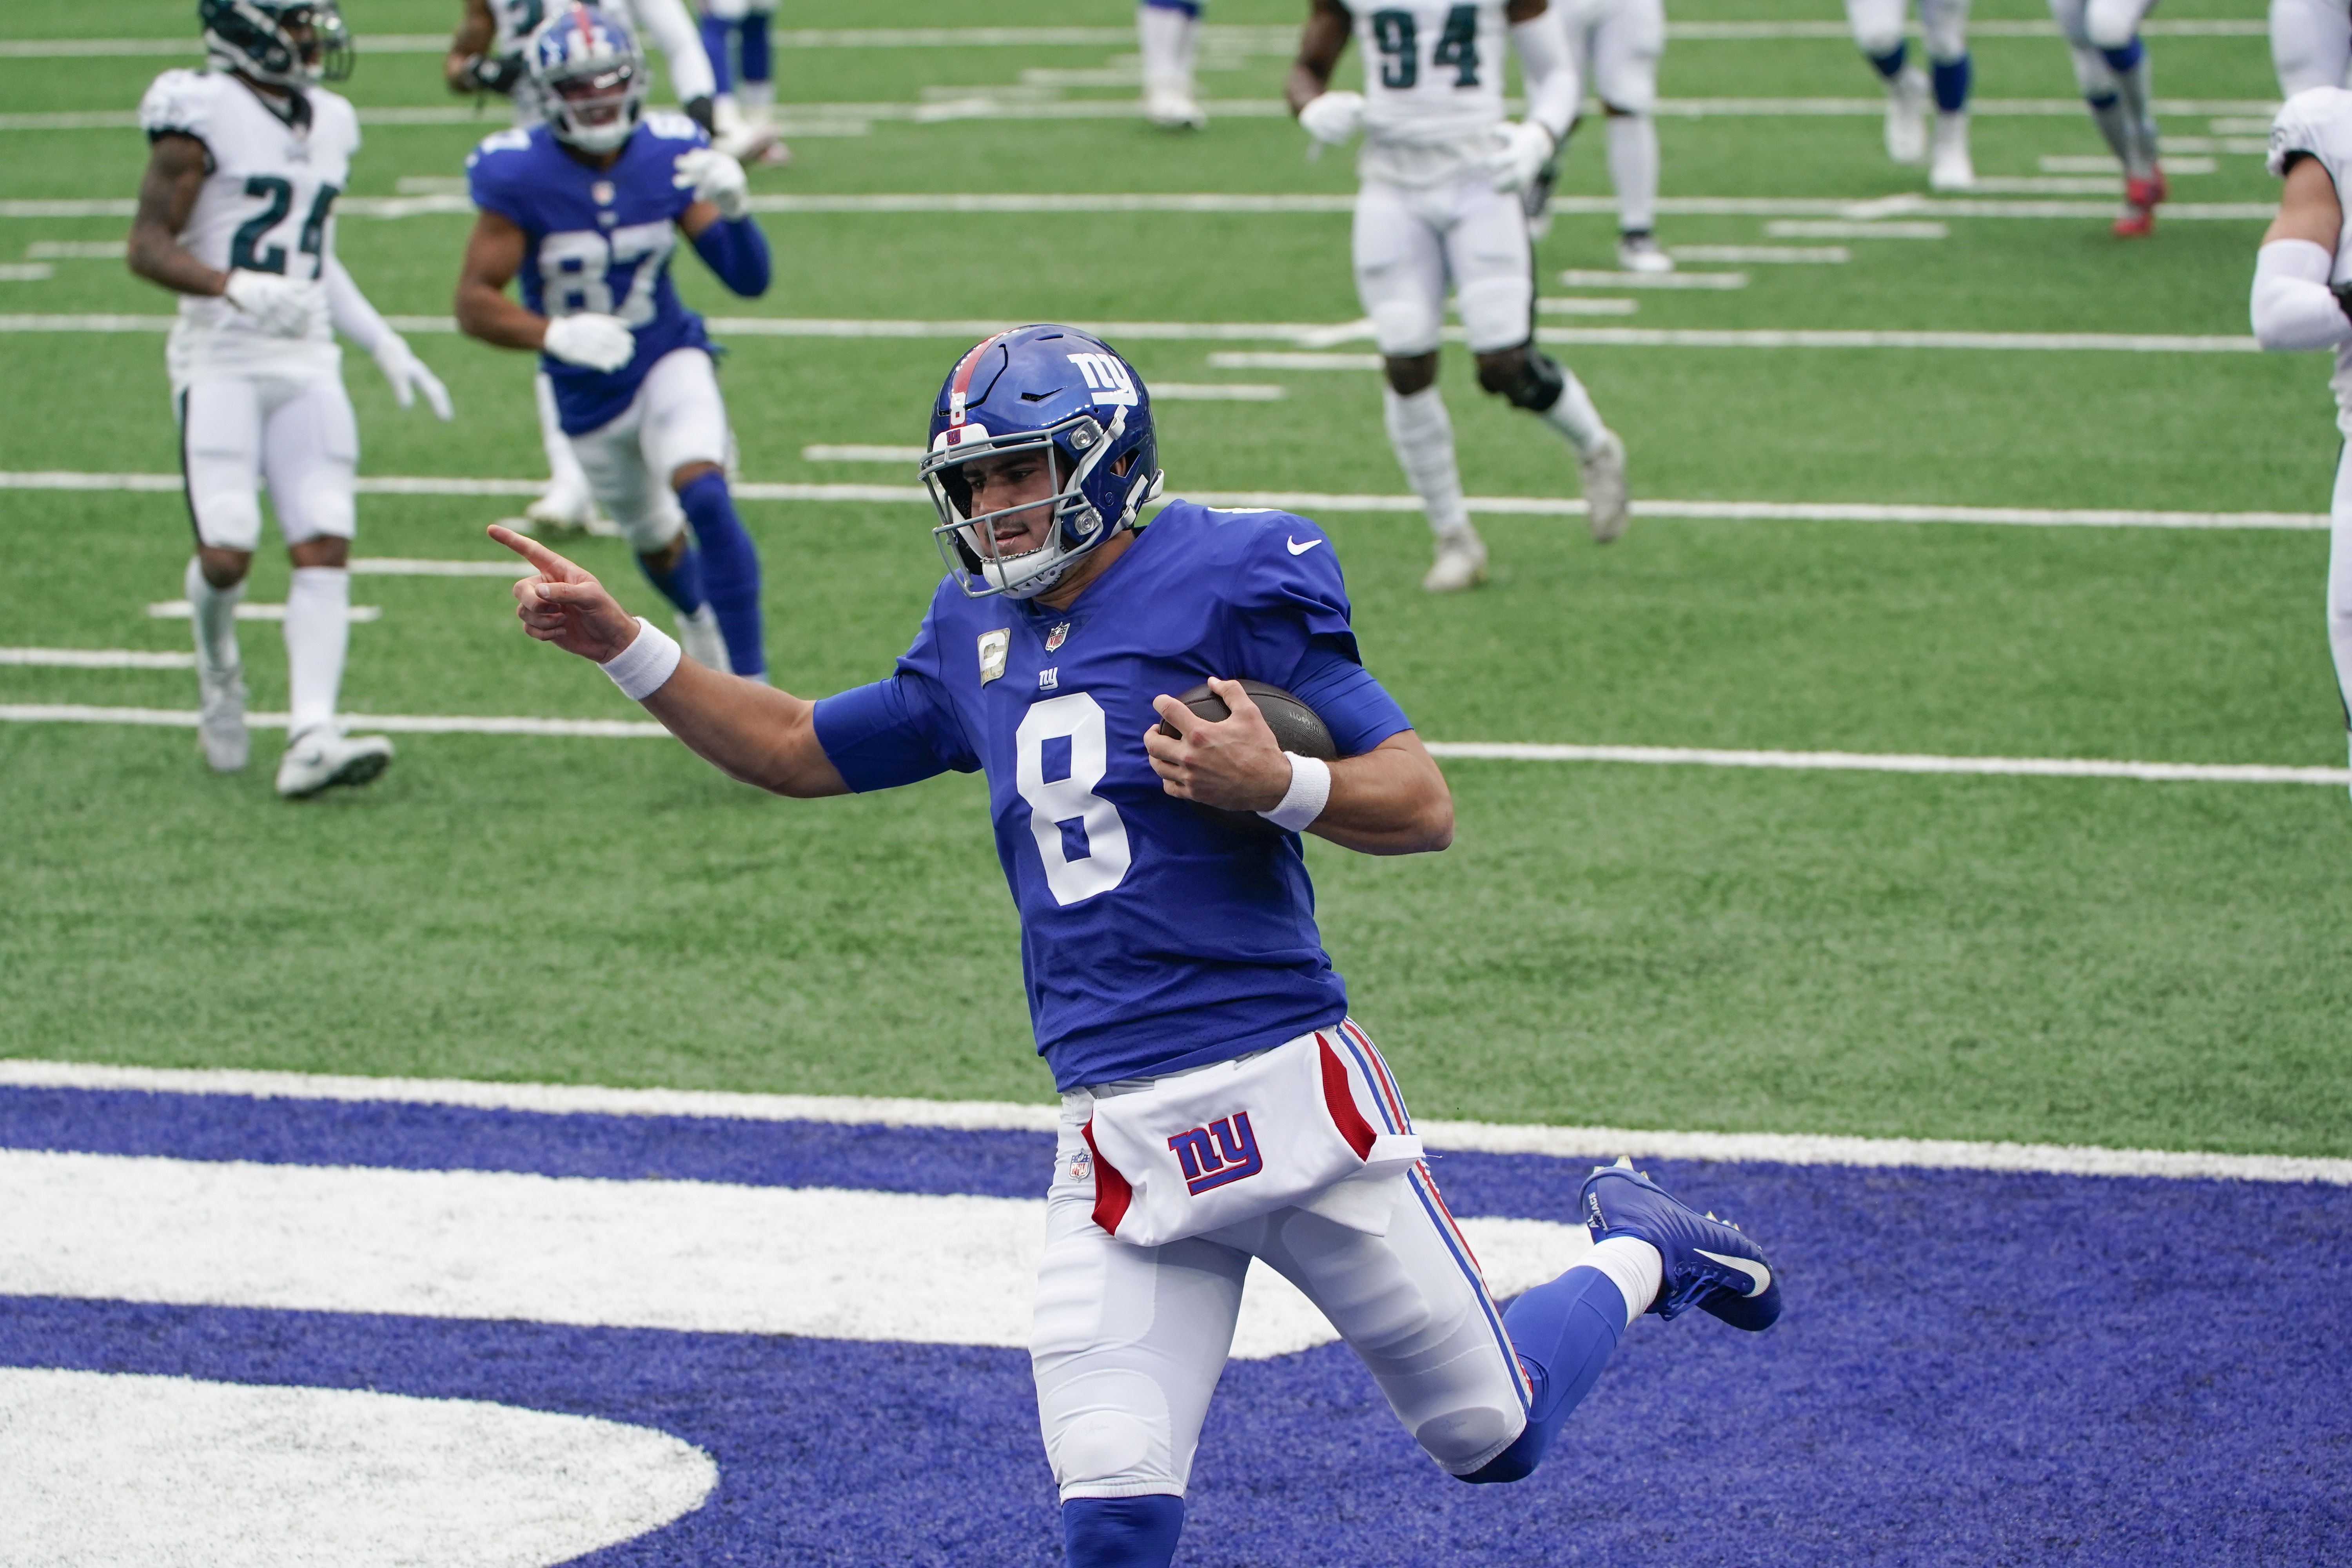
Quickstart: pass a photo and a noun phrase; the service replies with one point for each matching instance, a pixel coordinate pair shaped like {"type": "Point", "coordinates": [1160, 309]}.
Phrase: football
{"type": "Point", "coordinates": [1296, 726]}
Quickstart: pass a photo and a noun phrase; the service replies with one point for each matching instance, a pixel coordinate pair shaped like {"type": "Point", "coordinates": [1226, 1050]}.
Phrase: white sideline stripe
{"type": "Point", "coordinates": [1306, 335]}
{"type": "Point", "coordinates": [1895, 762]}
{"type": "Point", "coordinates": [95, 658]}
{"type": "Point", "coordinates": [1505, 751]}
{"type": "Point", "coordinates": [1302, 501]}
{"type": "Point", "coordinates": [392, 723]}
{"type": "Point", "coordinates": [180, 610]}
{"type": "Point", "coordinates": [693, 1256]}
{"type": "Point", "coordinates": [592, 1099]}
{"type": "Point", "coordinates": [1577, 278]}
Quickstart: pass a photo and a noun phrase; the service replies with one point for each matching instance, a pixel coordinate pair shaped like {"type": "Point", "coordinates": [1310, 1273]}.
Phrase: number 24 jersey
{"type": "Point", "coordinates": [267, 205]}
{"type": "Point", "coordinates": [1153, 939]}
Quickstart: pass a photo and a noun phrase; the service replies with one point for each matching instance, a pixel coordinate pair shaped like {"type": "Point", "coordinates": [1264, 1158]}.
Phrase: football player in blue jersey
{"type": "Point", "coordinates": [1218, 1103]}
{"type": "Point", "coordinates": [586, 208]}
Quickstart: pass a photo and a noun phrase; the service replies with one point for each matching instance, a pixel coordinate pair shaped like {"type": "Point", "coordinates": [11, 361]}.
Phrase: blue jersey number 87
{"type": "Point", "coordinates": [577, 270]}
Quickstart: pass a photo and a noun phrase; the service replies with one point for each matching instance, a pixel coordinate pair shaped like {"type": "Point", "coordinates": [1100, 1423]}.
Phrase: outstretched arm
{"type": "Point", "coordinates": [749, 731]}
{"type": "Point", "coordinates": [1391, 800]}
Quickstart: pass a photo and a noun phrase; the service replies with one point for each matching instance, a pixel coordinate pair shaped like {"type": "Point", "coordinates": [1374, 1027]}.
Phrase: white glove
{"type": "Point", "coordinates": [1333, 117]}
{"type": "Point", "coordinates": [279, 306]}
{"type": "Point", "coordinates": [598, 342]}
{"type": "Point", "coordinates": [409, 375]}
{"type": "Point", "coordinates": [1521, 149]}
{"type": "Point", "coordinates": [715, 178]}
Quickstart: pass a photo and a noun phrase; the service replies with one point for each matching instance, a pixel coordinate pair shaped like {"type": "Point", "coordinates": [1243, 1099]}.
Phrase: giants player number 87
{"type": "Point", "coordinates": [1218, 1104]}
{"type": "Point", "coordinates": [236, 217]}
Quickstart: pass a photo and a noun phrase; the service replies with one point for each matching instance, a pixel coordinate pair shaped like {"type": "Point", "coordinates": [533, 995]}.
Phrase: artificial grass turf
{"type": "Point", "coordinates": [2108, 963]}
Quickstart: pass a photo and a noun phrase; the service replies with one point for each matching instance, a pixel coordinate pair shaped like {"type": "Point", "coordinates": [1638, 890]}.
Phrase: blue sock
{"type": "Point", "coordinates": [755, 47]}
{"type": "Point", "coordinates": [1951, 83]}
{"type": "Point", "coordinates": [1890, 64]}
{"type": "Point", "coordinates": [1564, 1333]}
{"type": "Point", "coordinates": [714, 44]}
{"type": "Point", "coordinates": [682, 583]}
{"type": "Point", "coordinates": [2125, 58]}
{"type": "Point", "coordinates": [1122, 1531]}
{"type": "Point", "coordinates": [730, 571]}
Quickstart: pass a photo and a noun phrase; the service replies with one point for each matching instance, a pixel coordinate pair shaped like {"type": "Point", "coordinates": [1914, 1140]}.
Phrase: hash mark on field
{"type": "Point", "coordinates": [1799, 228]}
{"type": "Point", "coordinates": [401, 566]}
{"type": "Point", "coordinates": [1577, 278]}
{"type": "Point", "coordinates": [180, 610]}
{"type": "Point", "coordinates": [1766, 255]}
{"type": "Point", "coordinates": [1504, 750]}
{"type": "Point", "coordinates": [95, 658]}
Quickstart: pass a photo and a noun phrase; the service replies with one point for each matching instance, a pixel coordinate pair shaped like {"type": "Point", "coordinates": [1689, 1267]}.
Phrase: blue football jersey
{"type": "Point", "coordinates": [1153, 939]}
{"type": "Point", "coordinates": [600, 241]}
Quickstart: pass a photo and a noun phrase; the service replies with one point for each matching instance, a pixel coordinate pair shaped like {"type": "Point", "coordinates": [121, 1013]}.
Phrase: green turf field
{"type": "Point", "coordinates": [2030, 957]}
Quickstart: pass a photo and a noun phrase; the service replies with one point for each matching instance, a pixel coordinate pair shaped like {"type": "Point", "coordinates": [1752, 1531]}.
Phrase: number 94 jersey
{"type": "Point", "coordinates": [600, 243]}
{"type": "Point", "coordinates": [267, 205]}
{"type": "Point", "coordinates": [1432, 69]}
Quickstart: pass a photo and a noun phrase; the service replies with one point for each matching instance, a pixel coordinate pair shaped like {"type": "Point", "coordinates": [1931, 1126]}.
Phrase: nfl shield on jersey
{"type": "Point", "coordinates": [600, 240]}
{"type": "Point", "coordinates": [267, 205]}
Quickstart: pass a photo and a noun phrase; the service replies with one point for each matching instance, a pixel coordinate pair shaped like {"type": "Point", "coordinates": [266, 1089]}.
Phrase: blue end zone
{"type": "Point", "coordinates": [1975, 1368]}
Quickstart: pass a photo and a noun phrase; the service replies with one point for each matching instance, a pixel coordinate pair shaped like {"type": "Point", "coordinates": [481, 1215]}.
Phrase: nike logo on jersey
{"type": "Point", "coordinates": [1758, 1274]}
{"type": "Point", "coordinates": [1299, 549]}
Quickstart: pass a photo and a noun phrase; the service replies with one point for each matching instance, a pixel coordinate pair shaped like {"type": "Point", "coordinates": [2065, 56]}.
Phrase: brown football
{"type": "Point", "coordinates": [1296, 726]}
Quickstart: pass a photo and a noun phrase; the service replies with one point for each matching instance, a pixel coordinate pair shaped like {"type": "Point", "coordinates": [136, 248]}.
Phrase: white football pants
{"type": "Point", "coordinates": [297, 432]}
{"type": "Point", "coordinates": [2340, 579]}
{"type": "Point", "coordinates": [2310, 44]}
{"type": "Point", "coordinates": [1617, 45]}
{"type": "Point", "coordinates": [676, 417]}
{"type": "Point", "coordinates": [1411, 241]}
{"type": "Point", "coordinates": [1877, 27]}
{"type": "Point", "coordinates": [1129, 1341]}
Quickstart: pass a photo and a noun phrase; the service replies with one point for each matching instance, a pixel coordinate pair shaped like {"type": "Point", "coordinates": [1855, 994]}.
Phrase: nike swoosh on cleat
{"type": "Point", "coordinates": [1758, 1272]}
{"type": "Point", "coordinates": [1299, 549]}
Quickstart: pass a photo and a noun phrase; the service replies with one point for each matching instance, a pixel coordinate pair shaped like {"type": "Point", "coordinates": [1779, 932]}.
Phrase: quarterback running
{"type": "Point", "coordinates": [1442, 205]}
{"type": "Point", "coordinates": [585, 208]}
{"type": "Point", "coordinates": [2303, 300]}
{"type": "Point", "coordinates": [236, 217]}
{"type": "Point", "coordinates": [1218, 1103]}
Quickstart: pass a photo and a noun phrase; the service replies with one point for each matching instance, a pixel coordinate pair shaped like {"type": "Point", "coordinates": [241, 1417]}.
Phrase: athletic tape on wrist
{"type": "Point", "coordinates": [641, 668]}
{"type": "Point", "coordinates": [1309, 793]}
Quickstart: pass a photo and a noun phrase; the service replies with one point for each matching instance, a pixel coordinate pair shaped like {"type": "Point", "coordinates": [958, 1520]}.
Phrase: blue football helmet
{"type": "Point", "coordinates": [1051, 387]}
{"type": "Point", "coordinates": [590, 77]}
{"type": "Point", "coordinates": [285, 43]}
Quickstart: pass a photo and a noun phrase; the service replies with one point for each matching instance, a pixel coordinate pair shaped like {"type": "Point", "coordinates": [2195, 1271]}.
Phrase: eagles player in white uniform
{"type": "Point", "coordinates": [1442, 171]}
{"type": "Point", "coordinates": [1617, 46]}
{"type": "Point", "coordinates": [2303, 300]}
{"type": "Point", "coordinates": [237, 215]}
{"type": "Point", "coordinates": [2310, 44]}
{"type": "Point", "coordinates": [487, 56]}
{"type": "Point", "coordinates": [1877, 29]}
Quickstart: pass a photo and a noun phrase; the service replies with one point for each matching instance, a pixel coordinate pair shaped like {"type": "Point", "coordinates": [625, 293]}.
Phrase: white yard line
{"type": "Point", "coordinates": [396, 566]}
{"type": "Point", "coordinates": [1577, 278]}
{"type": "Point", "coordinates": [180, 610]}
{"type": "Point", "coordinates": [1775, 1148]}
{"type": "Point", "coordinates": [1304, 333]}
{"type": "Point", "coordinates": [856, 453]}
{"type": "Point", "coordinates": [1673, 756]}
{"type": "Point", "coordinates": [1304, 501]}
{"type": "Point", "coordinates": [1840, 228]}
{"type": "Point", "coordinates": [1764, 255]}
{"type": "Point", "coordinates": [95, 658]}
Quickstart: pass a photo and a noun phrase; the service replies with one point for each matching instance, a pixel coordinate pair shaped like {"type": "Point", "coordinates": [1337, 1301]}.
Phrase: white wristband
{"type": "Point", "coordinates": [1309, 793]}
{"type": "Point", "coordinates": [641, 668]}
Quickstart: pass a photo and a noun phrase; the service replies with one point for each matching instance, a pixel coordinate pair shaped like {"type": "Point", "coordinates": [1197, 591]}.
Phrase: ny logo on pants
{"type": "Point", "coordinates": [1224, 1151]}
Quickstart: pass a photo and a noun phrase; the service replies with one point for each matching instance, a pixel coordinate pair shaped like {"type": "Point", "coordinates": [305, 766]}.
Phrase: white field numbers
{"type": "Point", "coordinates": [575, 270]}
{"type": "Point", "coordinates": [1078, 719]}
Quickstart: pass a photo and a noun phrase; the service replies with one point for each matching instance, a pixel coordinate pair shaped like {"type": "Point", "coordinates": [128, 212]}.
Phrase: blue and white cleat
{"type": "Point", "coordinates": [1708, 1263]}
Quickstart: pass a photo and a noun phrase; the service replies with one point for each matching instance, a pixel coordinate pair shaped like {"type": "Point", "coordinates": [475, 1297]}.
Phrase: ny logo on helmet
{"type": "Point", "coordinates": [1224, 1151]}
{"type": "Point", "coordinates": [1109, 376]}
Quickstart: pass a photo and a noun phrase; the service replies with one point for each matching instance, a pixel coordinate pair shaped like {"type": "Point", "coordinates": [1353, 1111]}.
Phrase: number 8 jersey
{"type": "Point", "coordinates": [267, 205]}
{"type": "Point", "coordinates": [1433, 72]}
